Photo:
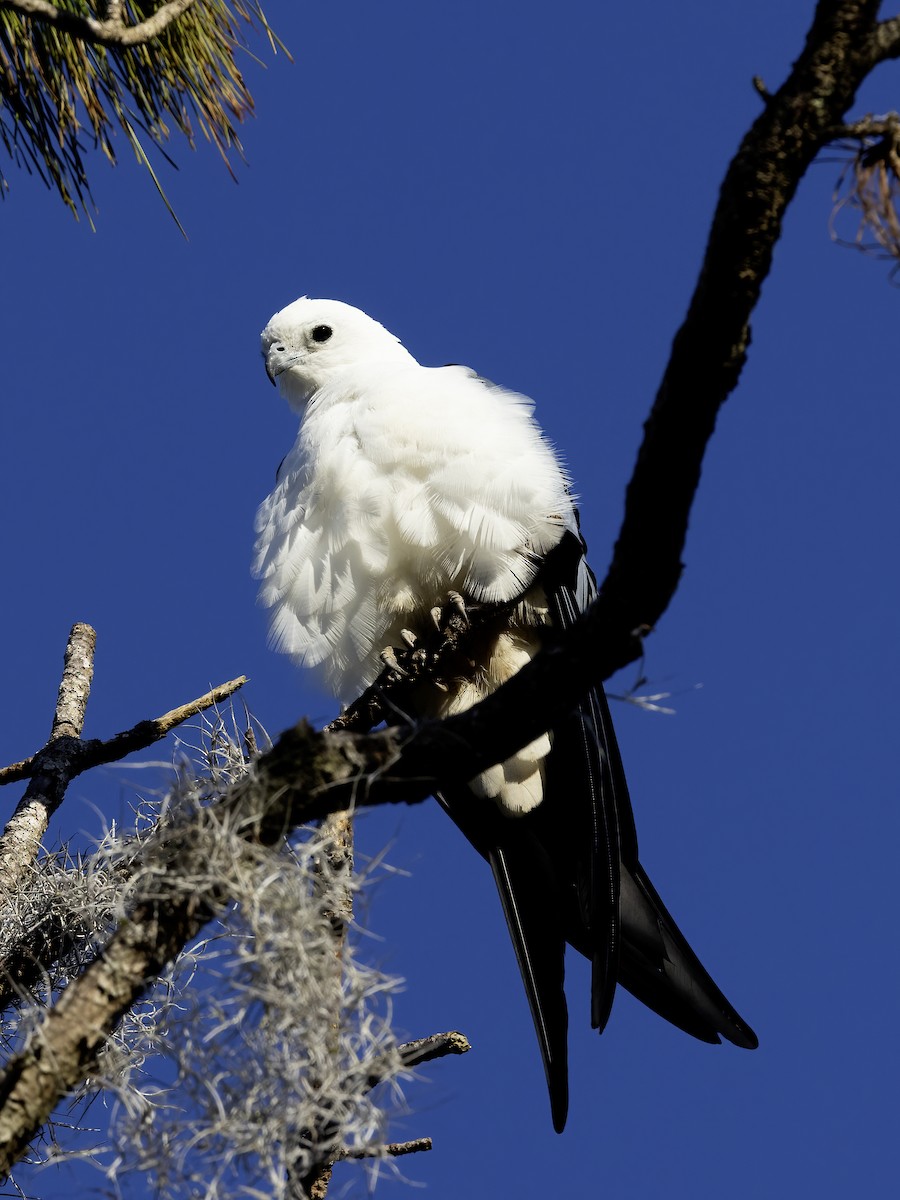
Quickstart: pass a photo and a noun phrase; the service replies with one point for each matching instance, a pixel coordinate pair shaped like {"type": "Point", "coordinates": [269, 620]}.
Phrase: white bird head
{"type": "Point", "coordinates": [311, 342]}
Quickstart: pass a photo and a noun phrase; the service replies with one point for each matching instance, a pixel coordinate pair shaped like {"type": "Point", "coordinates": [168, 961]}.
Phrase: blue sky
{"type": "Point", "coordinates": [527, 190]}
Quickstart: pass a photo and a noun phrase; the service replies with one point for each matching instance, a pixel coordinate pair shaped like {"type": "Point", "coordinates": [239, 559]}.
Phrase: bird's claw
{"type": "Point", "coordinates": [441, 616]}
{"type": "Point", "coordinates": [389, 658]}
{"type": "Point", "coordinates": [458, 603]}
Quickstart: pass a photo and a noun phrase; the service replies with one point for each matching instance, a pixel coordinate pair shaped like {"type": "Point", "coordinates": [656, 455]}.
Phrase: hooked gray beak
{"type": "Point", "coordinates": [279, 359]}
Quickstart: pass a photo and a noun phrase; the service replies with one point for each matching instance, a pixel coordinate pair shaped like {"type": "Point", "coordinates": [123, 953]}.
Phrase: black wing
{"type": "Point", "coordinates": [569, 872]}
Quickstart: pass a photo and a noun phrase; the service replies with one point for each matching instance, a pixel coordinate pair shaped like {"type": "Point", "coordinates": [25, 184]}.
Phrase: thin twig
{"type": "Point", "coordinates": [438, 1045]}
{"type": "Point", "coordinates": [316, 1185]}
{"type": "Point", "coordinates": [422, 1050]}
{"type": "Point", "coordinates": [111, 32]}
{"type": "Point", "coordinates": [95, 753]}
{"type": "Point", "coordinates": [394, 1149]}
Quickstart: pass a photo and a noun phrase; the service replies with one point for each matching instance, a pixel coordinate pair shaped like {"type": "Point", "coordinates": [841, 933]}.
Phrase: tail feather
{"type": "Point", "coordinates": [661, 970]}
{"type": "Point", "coordinates": [534, 923]}
{"type": "Point", "coordinates": [534, 907]}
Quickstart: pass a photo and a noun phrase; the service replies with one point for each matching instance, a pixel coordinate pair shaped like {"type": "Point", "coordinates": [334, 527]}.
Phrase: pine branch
{"type": "Point", "coordinates": [67, 77]}
{"type": "Point", "coordinates": [112, 31]}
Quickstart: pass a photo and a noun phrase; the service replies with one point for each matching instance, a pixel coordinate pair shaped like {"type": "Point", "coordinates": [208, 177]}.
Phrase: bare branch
{"type": "Point", "coordinates": [110, 32]}
{"type": "Point", "coordinates": [710, 348]}
{"type": "Point", "coordinates": [423, 1050]}
{"type": "Point", "coordinates": [75, 685]}
{"type": "Point", "coordinates": [65, 756]}
{"type": "Point", "coordinates": [49, 776]}
{"type": "Point", "coordinates": [867, 128]}
{"type": "Point", "coordinates": [394, 1149]}
{"type": "Point", "coordinates": [887, 39]}
{"type": "Point", "coordinates": [95, 753]}
{"type": "Point", "coordinates": [25, 952]}
{"type": "Point", "coordinates": [305, 776]}
{"type": "Point", "coordinates": [438, 1045]}
{"type": "Point", "coordinates": [145, 733]}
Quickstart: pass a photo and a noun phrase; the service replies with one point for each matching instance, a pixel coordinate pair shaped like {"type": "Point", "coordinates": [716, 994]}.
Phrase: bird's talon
{"type": "Point", "coordinates": [457, 602]}
{"type": "Point", "coordinates": [389, 658]}
{"type": "Point", "coordinates": [409, 638]}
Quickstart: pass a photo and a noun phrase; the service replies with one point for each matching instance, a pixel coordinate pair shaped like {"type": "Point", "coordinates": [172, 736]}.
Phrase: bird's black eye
{"type": "Point", "coordinates": [321, 333]}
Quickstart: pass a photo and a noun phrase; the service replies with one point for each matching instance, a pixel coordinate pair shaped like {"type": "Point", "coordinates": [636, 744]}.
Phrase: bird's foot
{"type": "Point", "coordinates": [433, 656]}
{"type": "Point", "coordinates": [456, 601]}
{"type": "Point", "coordinates": [407, 661]}
{"type": "Point", "coordinates": [389, 657]}
{"type": "Point", "coordinates": [442, 614]}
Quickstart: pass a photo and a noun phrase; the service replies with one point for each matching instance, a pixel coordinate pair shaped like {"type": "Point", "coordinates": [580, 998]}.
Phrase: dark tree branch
{"type": "Point", "coordinates": [710, 348]}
